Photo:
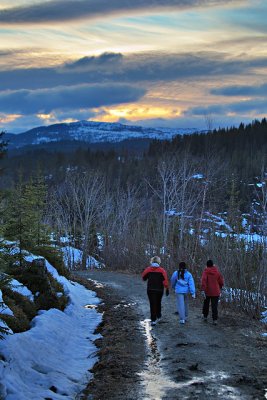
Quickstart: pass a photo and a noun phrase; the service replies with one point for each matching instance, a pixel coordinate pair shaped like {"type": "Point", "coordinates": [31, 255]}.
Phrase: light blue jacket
{"type": "Point", "coordinates": [183, 286]}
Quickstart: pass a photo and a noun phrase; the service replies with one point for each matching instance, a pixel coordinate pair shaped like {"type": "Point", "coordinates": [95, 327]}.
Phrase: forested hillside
{"type": "Point", "coordinates": [242, 151]}
{"type": "Point", "coordinates": [194, 197]}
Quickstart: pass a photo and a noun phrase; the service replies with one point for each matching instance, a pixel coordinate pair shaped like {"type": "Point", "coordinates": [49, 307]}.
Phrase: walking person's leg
{"type": "Point", "coordinates": [186, 306]}
{"type": "Point", "coordinates": [152, 295]}
{"type": "Point", "coordinates": [205, 310]}
{"type": "Point", "coordinates": [180, 306]}
{"type": "Point", "coordinates": [158, 308]}
{"type": "Point", "coordinates": [214, 307]}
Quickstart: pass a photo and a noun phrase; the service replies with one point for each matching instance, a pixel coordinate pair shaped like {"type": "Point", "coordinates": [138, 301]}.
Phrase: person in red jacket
{"type": "Point", "coordinates": [157, 280]}
{"type": "Point", "coordinates": [211, 284]}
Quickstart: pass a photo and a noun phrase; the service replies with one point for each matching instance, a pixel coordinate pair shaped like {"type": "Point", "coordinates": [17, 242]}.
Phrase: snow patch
{"type": "Point", "coordinates": [53, 358]}
{"type": "Point", "coordinates": [73, 257]}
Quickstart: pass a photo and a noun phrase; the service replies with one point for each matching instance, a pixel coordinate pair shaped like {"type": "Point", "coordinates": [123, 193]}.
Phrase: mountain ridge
{"type": "Point", "coordinates": [90, 132]}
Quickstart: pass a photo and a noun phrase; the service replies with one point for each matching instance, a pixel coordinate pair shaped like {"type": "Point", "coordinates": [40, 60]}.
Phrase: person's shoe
{"type": "Point", "coordinates": [176, 313]}
{"type": "Point", "coordinates": [158, 320]}
{"type": "Point", "coordinates": [205, 319]}
{"type": "Point", "coordinates": [215, 322]}
{"type": "Point", "coordinates": [153, 323]}
{"type": "Point", "coordinates": [182, 321]}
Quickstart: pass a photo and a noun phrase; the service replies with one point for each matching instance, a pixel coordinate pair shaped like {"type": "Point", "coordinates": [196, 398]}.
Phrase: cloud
{"type": "Point", "coordinates": [63, 10]}
{"type": "Point", "coordinates": [256, 106]}
{"type": "Point", "coordinates": [192, 122]}
{"type": "Point", "coordinates": [114, 67]}
{"type": "Point", "coordinates": [4, 53]}
{"type": "Point", "coordinates": [21, 124]}
{"type": "Point", "coordinates": [105, 59]}
{"type": "Point", "coordinates": [68, 98]}
{"type": "Point", "coordinates": [78, 115]}
{"type": "Point", "coordinates": [238, 90]}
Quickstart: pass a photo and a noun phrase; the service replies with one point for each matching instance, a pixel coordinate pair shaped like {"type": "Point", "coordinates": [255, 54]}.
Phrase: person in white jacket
{"type": "Point", "coordinates": [183, 283]}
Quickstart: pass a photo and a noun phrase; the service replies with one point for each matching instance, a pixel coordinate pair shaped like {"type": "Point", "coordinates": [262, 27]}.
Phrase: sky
{"type": "Point", "coordinates": [159, 63]}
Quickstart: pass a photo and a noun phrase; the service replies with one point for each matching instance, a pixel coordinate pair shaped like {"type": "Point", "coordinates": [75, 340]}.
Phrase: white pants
{"type": "Point", "coordinates": [182, 305]}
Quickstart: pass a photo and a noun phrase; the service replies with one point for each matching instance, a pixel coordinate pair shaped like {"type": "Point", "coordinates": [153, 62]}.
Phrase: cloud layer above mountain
{"type": "Point", "coordinates": [65, 10]}
{"type": "Point", "coordinates": [169, 62]}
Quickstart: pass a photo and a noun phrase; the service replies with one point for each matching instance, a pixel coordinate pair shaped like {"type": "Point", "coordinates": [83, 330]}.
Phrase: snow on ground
{"type": "Point", "coordinates": [4, 309]}
{"type": "Point", "coordinates": [73, 257]}
{"type": "Point", "coordinates": [264, 316]}
{"type": "Point", "coordinates": [230, 294]}
{"type": "Point", "coordinates": [52, 359]}
{"type": "Point", "coordinates": [264, 320]}
{"type": "Point", "coordinates": [16, 286]}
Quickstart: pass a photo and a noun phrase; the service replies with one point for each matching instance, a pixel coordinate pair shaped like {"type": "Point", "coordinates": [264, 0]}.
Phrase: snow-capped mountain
{"type": "Point", "coordinates": [90, 132]}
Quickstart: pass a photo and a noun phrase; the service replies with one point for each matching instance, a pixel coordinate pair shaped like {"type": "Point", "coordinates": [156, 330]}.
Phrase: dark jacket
{"type": "Point", "coordinates": [156, 277]}
{"type": "Point", "coordinates": [212, 281]}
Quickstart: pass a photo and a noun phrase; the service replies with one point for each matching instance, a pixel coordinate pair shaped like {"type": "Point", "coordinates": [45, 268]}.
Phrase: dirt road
{"type": "Point", "coordinates": [172, 361]}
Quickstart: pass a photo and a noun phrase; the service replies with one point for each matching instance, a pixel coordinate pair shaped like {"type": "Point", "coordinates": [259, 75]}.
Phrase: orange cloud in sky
{"type": "Point", "coordinates": [6, 118]}
{"type": "Point", "coordinates": [133, 112]}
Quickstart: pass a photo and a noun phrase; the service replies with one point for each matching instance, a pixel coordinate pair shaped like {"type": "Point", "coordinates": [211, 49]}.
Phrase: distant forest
{"type": "Point", "coordinates": [243, 149]}
{"type": "Point", "coordinates": [238, 153]}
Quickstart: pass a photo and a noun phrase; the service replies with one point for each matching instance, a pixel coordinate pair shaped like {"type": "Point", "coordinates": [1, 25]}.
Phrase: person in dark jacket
{"type": "Point", "coordinates": [211, 285]}
{"type": "Point", "coordinates": [157, 280]}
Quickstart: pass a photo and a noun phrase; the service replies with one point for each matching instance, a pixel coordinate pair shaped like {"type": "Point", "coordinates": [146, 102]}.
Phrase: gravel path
{"type": "Point", "coordinates": [172, 361]}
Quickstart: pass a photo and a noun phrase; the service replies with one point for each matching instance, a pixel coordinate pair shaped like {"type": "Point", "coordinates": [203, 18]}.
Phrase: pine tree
{"type": "Point", "coordinates": [3, 145]}
{"type": "Point", "coordinates": [23, 216]}
{"type": "Point", "coordinates": [4, 279]}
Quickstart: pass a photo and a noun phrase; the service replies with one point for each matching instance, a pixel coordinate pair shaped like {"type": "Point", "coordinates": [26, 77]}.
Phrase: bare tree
{"type": "Point", "coordinates": [77, 204]}
{"type": "Point", "coordinates": [179, 192]}
{"type": "Point", "coordinates": [119, 220]}
{"type": "Point", "coordinates": [208, 122]}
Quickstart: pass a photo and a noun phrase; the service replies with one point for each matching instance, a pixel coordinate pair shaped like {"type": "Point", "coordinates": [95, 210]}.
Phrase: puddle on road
{"type": "Point", "coordinates": [96, 283]}
{"type": "Point", "coordinates": [156, 383]}
{"type": "Point", "coordinates": [124, 304]}
{"type": "Point", "coordinates": [91, 306]}
{"type": "Point", "coordinates": [153, 377]}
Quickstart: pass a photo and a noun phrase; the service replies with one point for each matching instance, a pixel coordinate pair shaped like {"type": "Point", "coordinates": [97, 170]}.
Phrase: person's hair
{"type": "Point", "coordinates": [155, 259]}
{"type": "Point", "coordinates": [182, 268]}
{"type": "Point", "coordinates": [209, 263]}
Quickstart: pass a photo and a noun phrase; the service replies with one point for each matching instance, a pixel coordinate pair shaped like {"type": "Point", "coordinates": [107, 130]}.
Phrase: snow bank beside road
{"type": "Point", "coordinates": [52, 359]}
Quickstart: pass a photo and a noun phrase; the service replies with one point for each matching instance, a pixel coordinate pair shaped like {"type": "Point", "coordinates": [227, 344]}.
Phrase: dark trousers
{"type": "Point", "coordinates": [155, 297]}
{"type": "Point", "coordinates": [214, 306]}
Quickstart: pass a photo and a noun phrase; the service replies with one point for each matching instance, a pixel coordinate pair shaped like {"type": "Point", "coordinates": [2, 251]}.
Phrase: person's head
{"type": "Point", "coordinates": [182, 265]}
{"type": "Point", "coordinates": [209, 263]}
{"type": "Point", "coordinates": [155, 259]}
{"type": "Point", "coordinates": [182, 268]}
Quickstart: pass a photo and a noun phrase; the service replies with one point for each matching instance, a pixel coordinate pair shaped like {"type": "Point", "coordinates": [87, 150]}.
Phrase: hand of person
{"type": "Point", "coordinates": [193, 296]}
{"type": "Point", "coordinates": [167, 292]}
{"type": "Point", "coordinates": [203, 294]}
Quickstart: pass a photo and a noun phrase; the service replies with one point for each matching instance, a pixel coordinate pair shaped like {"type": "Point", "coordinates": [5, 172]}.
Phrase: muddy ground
{"type": "Point", "coordinates": [171, 361]}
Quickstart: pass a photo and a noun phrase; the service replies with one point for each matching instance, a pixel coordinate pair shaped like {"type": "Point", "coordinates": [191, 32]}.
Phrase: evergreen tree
{"type": "Point", "coordinates": [23, 216]}
{"type": "Point", "coordinates": [4, 279]}
{"type": "Point", "coordinates": [3, 145]}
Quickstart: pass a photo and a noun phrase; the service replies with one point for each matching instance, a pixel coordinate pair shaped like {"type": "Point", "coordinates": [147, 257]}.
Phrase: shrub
{"type": "Point", "coordinates": [12, 298]}
{"type": "Point", "coordinates": [19, 322]}
{"type": "Point", "coordinates": [45, 301]}
{"type": "Point", "coordinates": [39, 280]}
{"type": "Point", "coordinates": [54, 257]}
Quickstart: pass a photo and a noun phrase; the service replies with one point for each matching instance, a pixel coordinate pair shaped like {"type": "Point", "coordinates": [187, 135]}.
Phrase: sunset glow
{"type": "Point", "coordinates": [167, 63]}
